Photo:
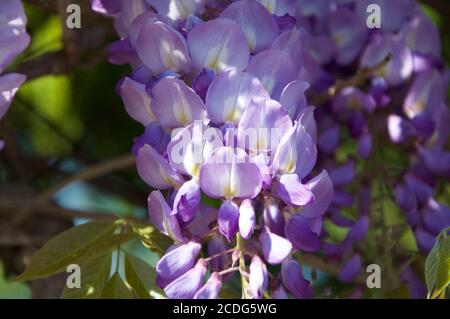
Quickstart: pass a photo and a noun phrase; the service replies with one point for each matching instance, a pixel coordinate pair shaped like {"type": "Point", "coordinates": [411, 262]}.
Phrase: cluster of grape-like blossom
{"type": "Point", "coordinates": [13, 40]}
{"type": "Point", "coordinates": [222, 88]}
{"type": "Point", "coordinates": [219, 89]}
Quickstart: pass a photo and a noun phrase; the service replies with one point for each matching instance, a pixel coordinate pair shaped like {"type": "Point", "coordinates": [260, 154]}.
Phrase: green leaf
{"type": "Point", "coordinates": [152, 238]}
{"type": "Point", "coordinates": [141, 276]}
{"type": "Point", "coordinates": [437, 266]}
{"type": "Point", "coordinates": [94, 275]}
{"type": "Point", "coordinates": [69, 247]}
{"type": "Point", "coordinates": [115, 288]}
{"type": "Point", "coordinates": [12, 290]}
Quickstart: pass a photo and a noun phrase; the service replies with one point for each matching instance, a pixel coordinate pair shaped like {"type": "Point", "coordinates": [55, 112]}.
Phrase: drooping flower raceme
{"type": "Point", "coordinates": [216, 89]}
{"type": "Point", "coordinates": [231, 145]}
{"type": "Point", "coordinates": [13, 40]}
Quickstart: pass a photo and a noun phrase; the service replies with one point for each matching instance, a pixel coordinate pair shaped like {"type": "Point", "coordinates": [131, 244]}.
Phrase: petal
{"type": "Point", "coordinates": [228, 219]}
{"type": "Point", "coordinates": [291, 191]}
{"type": "Point", "coordinates": [191, 146]}
{"type": "Point", "coordinates": [262, 125]}
{"type": "Point", "coordinates": [349, 32]}
{"type": "Point", "coordinates": [136, 101]}
{"type": "Point", "coordinates": [293, 280]}
{"type": "Point", "coordinates": [122, 52]}
{"type": "Point", "coordinates": [247, 220]}
{"type": "Point", "coordinates": [262, 160]}
{"type": "Point", "coordinates": [291, 42]}
{"type": "Point", "coordinates": [106, 7]}
{"type": "Point", "coordinates": [178, 261]}
{"type": "Point", "coordinates": [422, 36]}
{"type": "Point", "coordinates": [437, 161]}
{"type": "Point", "coordinates": [187, 200]}
{"type": "Point", "coordinates": [258, 279]}
{"type": "Point", "coordinates": [160, 47]}
{"type": "Point", "coordinates": [322, 189]}
{"type": "Point", "coordinates": [293, 98]}
{"type": "Point", "coordinates": [154, 136]}
{"type": "Point", "coordinates": [155, 170]}
{"type": "Point", "coordinates": [296, 152]}
{"type": "Point", "coordinates": [230, 173]}
{"type": "Point", "coordinates": [273, 217]}
{"type": "Point", "coordinates": [219, 45]}
{"type": "Point", "coordinates": [299, 233]}
{"type": "Point", "coordinates": [329, 140]}
{"type": "Point", "coordinates": [275, 248]}
{"type": "Point", "coordinates": [211, 289]}
{"type": "Point", "coordinates": [365, 145]}
{"type": "Point", "coordinates": [177, 10]}
{"type": "Point", "coordinates": [274, 69]}
{"type": "Point", "coordinates": [9, 85]}
{"type": "Point", "coordinates": [187, 285]}
{"type": "Point", "coordinates": [425, 240]}
{"type": "Point", "coordinates": [351, 269]}
{"type": "Point", "coordinates": [12, 44]}
{"type": "Point", "coordinates": [175, 104]}
{"type": "Point", "coordinates": [255, 21]}
{"type": "Point", "coordinates": [399, 128]}
{"type": "Point", "coordinates": [229, 95]}
{"type": "Point", "coordinates": [160, 216]}
{"type": "Point", "coordinates": [343, 175]}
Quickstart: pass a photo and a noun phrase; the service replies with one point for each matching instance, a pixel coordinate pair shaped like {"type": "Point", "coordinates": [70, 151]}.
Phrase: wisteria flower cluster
{"type": "Point", "coordinates": [13, 40]}
{"type": "Point", "coordinates": [224, 89]}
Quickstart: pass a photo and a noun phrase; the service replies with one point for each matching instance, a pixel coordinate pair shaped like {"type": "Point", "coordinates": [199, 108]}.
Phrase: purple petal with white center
{"type": "Point", "coordinates": [178, 10]}
{"type": "Point", "coordinates": [187, 285]}
{"type": "Point", "coordinates": [351, 269]}
{"type": "Point", "coordinates": [296, 152]}
{"type": "Point", "coordinates": [262, 125]}
{"type": "Point", "coordinates": [155, 170]}
{"type": "Point", "coordinates": [217, 246]}
{"type": "Point", "coordinates": [274, 68]}
{"type": "Point", "coordinates": [273, 217]}
{"type": "Point", "coordinates": [275, 248]}
{"type": "Point", "coordinates": [178, 261]}
{"type": "Point", "coordinates": [175, 104]}
{"type": "Point", "coordinates": [247, 219]}
{"type": "Point", "coordinates": [292, 192]}
{"type": "Point", "coordinates": [258, 279]}
{"type": "Point", "coordinates": [211, 288]}
{"type": "Point", "coordinates": [137, 101]}
{"type": "Point", "coordinates": [229, 95]}
{"type": "Point", "coordinates": [293, 280]}
{"type": "Point", "coordinates": [255, 21]}
{"type": "Point", "coordinates": [9, 85]}
{"type": "Point", "coordinates": [187, 200]}
{"type": "Point", "coordinates": [349, 33]}
{"type": "Point", "coordinates": [401, 65]}
{"type": "Point", "coordinates": [299, 233]}
{"type": "Point", "coordinates": [293, 98]}
{"type": "Point", "coordinates": [160, 216]}
{"type": "Point", "coordinates": [160, 47]}
{"type": "Point", "coordinates": [426, 93]}
{"type": "Point", "coordinates": [219, 45]}
{"type": "Point", "coordinates": [230, 173]}
{"type": "Point", "coordinates": [228, 219]}
{"type": "Point", "coordinates": [191, 146]}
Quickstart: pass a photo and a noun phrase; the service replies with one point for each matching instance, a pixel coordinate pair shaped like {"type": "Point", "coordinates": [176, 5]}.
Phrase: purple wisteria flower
{"type": "Point", "coordinates": [13, 40]}
{"type": "Point", "coordinates": [223, 90]}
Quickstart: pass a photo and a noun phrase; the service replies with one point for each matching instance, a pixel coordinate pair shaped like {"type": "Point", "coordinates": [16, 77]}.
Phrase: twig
{"type": "Point", "coordinates": [85, 175]}
{"type": "Point", "coordinates": [358, 79]}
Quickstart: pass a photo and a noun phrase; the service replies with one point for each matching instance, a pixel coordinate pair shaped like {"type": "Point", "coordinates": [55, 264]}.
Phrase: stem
{"type": "Point", "coordinates": [226, 271]}
{"type": "Point", "coordinates": [240, 247]}
{"type": "Point", "coordinates": [220, 254]}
